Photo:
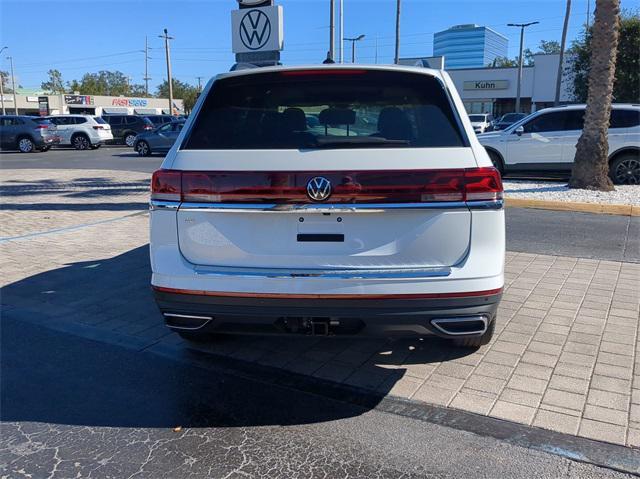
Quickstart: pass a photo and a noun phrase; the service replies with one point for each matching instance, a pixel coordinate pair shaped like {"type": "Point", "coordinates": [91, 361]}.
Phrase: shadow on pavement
{"type": "Point", "coordinates": [56, 377]}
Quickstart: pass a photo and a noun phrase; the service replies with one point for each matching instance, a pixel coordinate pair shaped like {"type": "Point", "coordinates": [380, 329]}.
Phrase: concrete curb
{"type": "Point", "coordinates": [605, 209]}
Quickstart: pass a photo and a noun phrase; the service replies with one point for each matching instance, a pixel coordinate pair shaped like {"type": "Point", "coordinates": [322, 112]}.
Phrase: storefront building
{"type": "Point", "coordinates": [494, 90]}
{"type": "Point", "coordinates": [89, 104]}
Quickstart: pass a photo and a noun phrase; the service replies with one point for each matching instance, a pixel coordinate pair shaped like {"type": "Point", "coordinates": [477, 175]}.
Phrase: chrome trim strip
{"type": "Point", "coordinates": [435, 324]}
{"type": "Point", "coordinates": [429, 272]}
{"type": "Point", "coordinates": [163, 205]}
{"type": "Point", "coordinates": [315, 207]}
{"type": "Point", "coordinates": [486, 205]}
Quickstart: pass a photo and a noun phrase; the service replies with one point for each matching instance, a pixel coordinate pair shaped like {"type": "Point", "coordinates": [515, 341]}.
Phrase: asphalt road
{"type": "Point", "coordinates": [581, 235]}
{"type": "Point", "coordinates": [72, 407]}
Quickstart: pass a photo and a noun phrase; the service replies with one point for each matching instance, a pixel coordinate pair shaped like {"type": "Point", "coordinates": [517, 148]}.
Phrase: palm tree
{"type": "Point", "coordinates": [590, 167]}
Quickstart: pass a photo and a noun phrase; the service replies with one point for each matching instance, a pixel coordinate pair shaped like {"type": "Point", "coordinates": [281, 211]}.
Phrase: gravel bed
{"type": "Point", "coordinates": [558, 191]}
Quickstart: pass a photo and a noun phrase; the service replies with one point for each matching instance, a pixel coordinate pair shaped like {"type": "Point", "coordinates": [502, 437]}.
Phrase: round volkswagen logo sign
{"type": "Point", "coordinates": [255, 29]}
{"type": "Point", "coordinates": [319, 188]}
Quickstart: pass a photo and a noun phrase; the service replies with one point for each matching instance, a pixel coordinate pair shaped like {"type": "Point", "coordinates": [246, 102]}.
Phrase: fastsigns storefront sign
{"type": "Point", "coordinates": [486, 85]}
{"type": "Point", "coordinates": [132, 102]}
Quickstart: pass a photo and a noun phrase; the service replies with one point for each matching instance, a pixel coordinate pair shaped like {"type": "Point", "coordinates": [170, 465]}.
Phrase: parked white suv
{"type": "Point", "coordinates": [545, 142]}
{"type": "Point", "coordinates": [481, 122]}
{"type": "Point", "coordinates": [329, 200]}
{"type": "Point", "coordinates": [82, 131]}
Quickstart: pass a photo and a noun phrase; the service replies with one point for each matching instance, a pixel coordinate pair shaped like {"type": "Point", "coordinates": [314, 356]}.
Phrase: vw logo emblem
{"type": "Point", "coordinates": [255, 29]}
{"type": "Point", "coordinates": [319, 188]}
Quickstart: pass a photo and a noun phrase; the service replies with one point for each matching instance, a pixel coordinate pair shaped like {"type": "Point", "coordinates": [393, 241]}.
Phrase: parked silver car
{"type": "Point", "coordinates": [159, 140]}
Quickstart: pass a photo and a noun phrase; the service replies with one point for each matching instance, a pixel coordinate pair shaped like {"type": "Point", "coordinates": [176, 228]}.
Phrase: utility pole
{"type": "Point", "coordinates": [146, 66]}
{"type": "Point", "coordinates": [563, 43]}
{"type": "Point", "coordinates": [522, 26]}
{"type": "Point", "coordinates": [341, 43]}
{"type": "Point", "coordinates": [332, 29]}
{"type": "Point", "coordinates": [2, 86]}
{"type": "Point", "coordinates": [397, 55]}
{"type": "Point", "coordinates": [13, 86]}
{"type": "Point", "coordinates": [199, 84]}
{"type": "Point", "coordinates": [376, 49]}
{"type": "Point", "coordinates": [169, 80]}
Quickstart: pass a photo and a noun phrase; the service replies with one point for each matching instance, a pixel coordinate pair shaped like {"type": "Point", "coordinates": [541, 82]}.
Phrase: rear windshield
{"type": "Point", "coordinates": [325, 109]}
{"type": "Point", "coordinates": [99, 120]}
{"type": "Point", "coordinates": [41, 121]}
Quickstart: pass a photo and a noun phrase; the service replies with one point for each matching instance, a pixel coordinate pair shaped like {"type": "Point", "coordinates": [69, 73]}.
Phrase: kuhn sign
{"type": "Point", "coordinates": [486, 85]}
{"type": "Point", "coordinates": [257, 29]}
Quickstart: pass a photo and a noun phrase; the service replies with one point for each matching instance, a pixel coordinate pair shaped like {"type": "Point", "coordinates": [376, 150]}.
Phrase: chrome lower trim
{"type": "Point", "coordinates": [163, 205]}
{"type": "Point", "coordinates": [430, 272]}
{"type": "Point", "coordinates": [438, 321]}
{"type": "Point", "coordinates": [315, 207]}
{"type": "Point", "coordinates": [486, 205]}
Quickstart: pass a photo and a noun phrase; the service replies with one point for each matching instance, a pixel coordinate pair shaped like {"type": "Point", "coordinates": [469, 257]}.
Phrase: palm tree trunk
{"type": "Point", "coordinates": [591, 167]}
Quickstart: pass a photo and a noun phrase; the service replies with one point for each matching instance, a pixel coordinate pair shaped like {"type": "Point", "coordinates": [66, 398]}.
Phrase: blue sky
{"type": "Point", "coordinates": [79, 36]}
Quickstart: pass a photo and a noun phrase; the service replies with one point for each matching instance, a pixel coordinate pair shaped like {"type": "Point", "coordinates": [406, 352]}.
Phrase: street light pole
{"type": "Point", "coordinates": [341, 44]}
{"type": "Point", "coordinates": [396, 59]}
{"type": "Point", "coordinates": [522, 26]}
{"type": "Point", "coordinates": [146, 66]}
{"type": "Point", "coordinates": [563, 43]}
{"type": "Point", "coordinates": [13, 86]}
{"type": "Point", "coordinates": [353, 46]}
{"type": "Point", "coordinates": [332, 29]}
{"type": "Point", "coordinates": [2, 86]}
{"type": "Point", "coordinates": [169, 80]}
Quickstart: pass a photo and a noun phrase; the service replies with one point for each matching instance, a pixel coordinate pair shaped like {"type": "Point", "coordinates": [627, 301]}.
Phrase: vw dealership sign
{"type": "Point", "coordinates": [257, 29]}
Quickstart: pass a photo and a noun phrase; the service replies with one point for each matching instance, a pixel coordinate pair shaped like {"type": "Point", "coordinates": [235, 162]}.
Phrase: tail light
{"type": "Point", "coordinates": [42, 127]}
{"type": "Point", "coordinates": [400, 186]}
{"type": "Point", "coordinates": [165, 185]}
{"type": "Point", "coordinates": [98, 127]}
{"type": "Point", "coordinates": [147, 127]}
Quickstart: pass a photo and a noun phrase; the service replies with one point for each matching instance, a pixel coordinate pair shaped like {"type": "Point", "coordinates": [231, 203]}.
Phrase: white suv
{"type": "Point", "coordinates": [545, 141]}
{"type": "Point", "coordinates": [82, 131]}
{"type": "Point", "coordinates": [481, 122]}
{"type": "Point", "coordinates": [329, 200]}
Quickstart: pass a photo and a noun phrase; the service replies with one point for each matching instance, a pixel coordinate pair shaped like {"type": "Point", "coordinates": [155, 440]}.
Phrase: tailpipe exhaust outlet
{"type": "Point", "coordinates": [461, 325]}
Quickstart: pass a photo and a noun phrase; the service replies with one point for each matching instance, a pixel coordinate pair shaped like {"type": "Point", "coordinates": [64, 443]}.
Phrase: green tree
{"type": "Point", "coordinates": [545, 46]}
{"type": "Point", "coordinates": [6, 83]}
{"type": "Point", "coordinates": [591, 166]}
{"type": "Point", "coordinates": [182, 90]}
{"type": "Point", "coordinates": [626, 87]}
{"type": "Point", "coordinates": [102, 83]}
{"type": "Point", "coordinates": [500, 62]}
{"type": "Point", "coordinates": [54, 85]}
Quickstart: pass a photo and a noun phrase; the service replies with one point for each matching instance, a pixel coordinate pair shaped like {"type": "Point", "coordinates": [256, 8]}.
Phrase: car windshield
{"type": "Point", "coordinates": [477, 117]}
{"type": "Point", "coordinates": [99, 120]}
{"type": "Point", "coordinates": [511, 117]}
{"type": "Point", "coordinates": [325, 109]}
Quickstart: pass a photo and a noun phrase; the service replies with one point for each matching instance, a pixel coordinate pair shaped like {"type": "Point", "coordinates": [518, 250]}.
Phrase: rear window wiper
{"type": "Point", "coordinates": [352, 141]}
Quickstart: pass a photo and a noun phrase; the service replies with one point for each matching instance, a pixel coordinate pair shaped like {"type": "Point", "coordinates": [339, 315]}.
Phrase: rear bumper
{"type": "Point", "coordinates": [374, 315]}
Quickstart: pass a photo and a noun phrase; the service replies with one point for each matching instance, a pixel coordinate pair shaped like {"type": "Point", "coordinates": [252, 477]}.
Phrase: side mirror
{"type": "Point", "coordinates": [519, 131]}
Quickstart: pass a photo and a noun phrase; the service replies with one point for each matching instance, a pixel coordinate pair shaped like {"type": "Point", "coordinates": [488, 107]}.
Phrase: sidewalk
{"type": "Point", "coordinates": [565, 355]}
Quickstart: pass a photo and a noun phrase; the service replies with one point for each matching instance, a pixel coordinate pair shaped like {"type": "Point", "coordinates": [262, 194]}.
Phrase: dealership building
{"type": "Point", "coordinates": [494, 89]}
{"type": "Point", "coordinates": [39, 104]}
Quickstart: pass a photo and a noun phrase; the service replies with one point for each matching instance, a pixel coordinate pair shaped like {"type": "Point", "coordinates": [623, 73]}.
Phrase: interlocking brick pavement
{"type": "Point", "coordinates": [565, 355]}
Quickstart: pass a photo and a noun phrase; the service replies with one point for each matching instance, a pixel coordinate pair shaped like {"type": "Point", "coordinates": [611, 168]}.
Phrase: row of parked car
{"type": "Point", "coordinates": [82, 132]}
{"type": "Point", "coordinates": [484, 122]}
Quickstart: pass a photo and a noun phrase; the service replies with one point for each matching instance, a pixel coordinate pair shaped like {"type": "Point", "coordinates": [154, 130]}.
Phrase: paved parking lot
{"type": "Point", "coordinates": [565, 356]}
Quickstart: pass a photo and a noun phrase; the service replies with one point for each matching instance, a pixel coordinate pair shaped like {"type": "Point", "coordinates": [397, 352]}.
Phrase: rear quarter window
{"type": "Point", "coordinates": [350, 108]}
{"type": "Point", "coordinates": [624, 118]}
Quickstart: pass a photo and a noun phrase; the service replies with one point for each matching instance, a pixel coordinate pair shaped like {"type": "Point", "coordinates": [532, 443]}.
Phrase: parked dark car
{"type": "Point", "coordinates": [507, 120]}
{"type": "Point", "coordinates": [159, 120]}
{"type": "Point", "coordinates": [159, 140]}
{"type": "Point", "coordinates": [125, 127]}
{"type": "Point", "coordinates": [27, 133]}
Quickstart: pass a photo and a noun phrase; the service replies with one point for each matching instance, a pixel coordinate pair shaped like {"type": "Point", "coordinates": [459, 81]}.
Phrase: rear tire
{"type": "Point", "coordinates": [497, 162]}
{"type": "Point", "coordinates": [45, 148]}
{"type": "Point", "coordinates": [129, 139]}
{"type": "Point", "coordinates": [143, 148]}
{"type": "Point", "coordinates": [95, 147]}
{"type": "Point", "coordinates": [26, 145]}
{"type": "Point", "coordinates": [625, 169]}
{"type": "Point", "coordinates": [80, 142]}
{"type": "Point", "coordinates": [476, 341]}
